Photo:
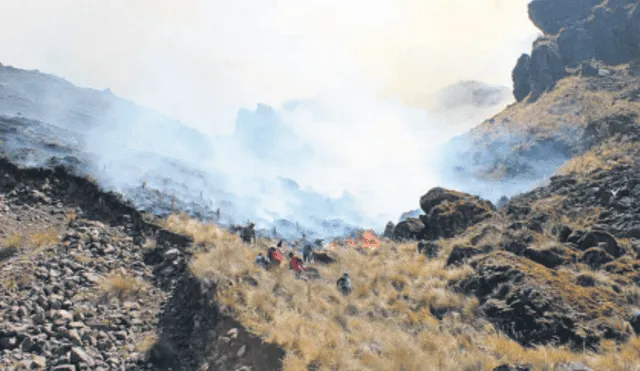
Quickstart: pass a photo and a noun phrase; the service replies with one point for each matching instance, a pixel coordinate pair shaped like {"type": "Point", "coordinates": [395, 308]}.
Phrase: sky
{"type": "Point", "coordinates": [352, 81]}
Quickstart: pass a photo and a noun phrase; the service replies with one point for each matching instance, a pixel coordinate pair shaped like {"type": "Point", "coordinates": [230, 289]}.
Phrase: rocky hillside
{"type": "Point", "coordinates": [89, 283]}
{"type": "Point", "coordinates": [581, 76]}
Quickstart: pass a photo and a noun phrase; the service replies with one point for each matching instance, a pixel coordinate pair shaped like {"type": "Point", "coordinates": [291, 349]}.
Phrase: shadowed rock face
{"type": "Point", "coordinates": [575, 32]}
{"type": "Point", "coordinates": [550, 16]}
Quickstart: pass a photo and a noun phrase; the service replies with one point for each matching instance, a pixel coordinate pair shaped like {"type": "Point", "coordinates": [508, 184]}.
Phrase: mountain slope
{"type": "Point", "coordinates": [576, 79]}
{"type": "Point", "coordinates": [160, 164]}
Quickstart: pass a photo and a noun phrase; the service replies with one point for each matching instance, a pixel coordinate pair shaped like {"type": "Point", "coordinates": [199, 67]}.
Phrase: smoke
{"type": "Point", "coordinates": [338, 96]}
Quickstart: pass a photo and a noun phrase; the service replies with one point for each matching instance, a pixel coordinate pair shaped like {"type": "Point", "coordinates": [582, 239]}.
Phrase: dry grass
{"type": "Point", "coordinates": [201, 233]}
{"type": "Point", "coordinates": [604, 157]}
{"type": "Point", "coordinates": [147, 342]}
{"type": "Point", "coordinates": [387, 322]}
{"type": "Point", "coordinates": [570, 104]}
{"type": "Point", "coordinates": [44, 238]}
{"type": "Point", "coordinates": [13, 241]}
{"type": "Point", "coordinates": [32, 241]}
{"type": "Point", "coordinates": [71, 215]}
{"type": "Point", "coordinates": [122, 287]}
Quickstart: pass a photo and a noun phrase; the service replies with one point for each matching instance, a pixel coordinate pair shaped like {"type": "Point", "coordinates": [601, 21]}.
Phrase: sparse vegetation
{"type": "Point", "coordinates": [201, 233]}
{"type": "Point", "coordinates": [13, 241]}
{"type": "Point", "coordinates": [604, 157]}
{"type": "Point", "coordinates": [390, 321]}
{"type": "Point", "coordinates": [71, 215]}
{"type": "Point", "coordinates": [122, 287]}
{"type": "Point", "coordinates": [44, 238]}
{"type": "Point", "coordinates": [147, 342]}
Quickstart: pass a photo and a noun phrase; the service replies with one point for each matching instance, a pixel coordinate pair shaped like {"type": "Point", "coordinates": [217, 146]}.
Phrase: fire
{"type": "Point", "coordinates": [367, 241]}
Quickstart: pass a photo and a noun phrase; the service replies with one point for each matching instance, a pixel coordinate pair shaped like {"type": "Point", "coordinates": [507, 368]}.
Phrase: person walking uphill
{"type": "Point", "coordinates": [307, 253]}
{"type": "Point", "coordinates": [344, 284]}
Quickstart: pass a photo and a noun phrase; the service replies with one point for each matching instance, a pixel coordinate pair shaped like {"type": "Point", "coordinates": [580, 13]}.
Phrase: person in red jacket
{"type": "Point", "coordinates": [274, 255]}
{"type": "Point", "coordinates": [296, 263]}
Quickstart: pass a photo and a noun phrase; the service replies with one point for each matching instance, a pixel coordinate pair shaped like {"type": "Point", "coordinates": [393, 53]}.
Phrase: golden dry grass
{"type": "Point", "coordinates": [570, 104]}
{"type": "Point", "coordinates": [44, 238]}
{"type": "Point", "coordinates": [34, 240]}
{"type": "Point", "coordinates": [117, 285]}
{"type": "Point", "coordinates": [70, 215]}
{"type": "Point", "coordinates": [13, 241]}
{"type": "Point", "coordinates": [147, 341]}
{"type": "Point", "coordinates": [604, 157]}
{"type": "Point", "coordinates": [201, 233]}
{"type": "Point", "coordinates": [386, 323]}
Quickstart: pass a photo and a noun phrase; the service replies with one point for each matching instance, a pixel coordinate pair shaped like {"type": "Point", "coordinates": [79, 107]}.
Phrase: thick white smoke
{"type": "Point", "coordinates": [346, 85]}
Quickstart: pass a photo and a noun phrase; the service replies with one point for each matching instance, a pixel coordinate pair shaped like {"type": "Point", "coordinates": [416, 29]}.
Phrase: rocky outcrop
{"type": "Point", "coordinates": [551, 16]}
{"type": "Point", "coordinates": [576, 32]}
{"type": "Point", "coordinates": [410, 229]}
{"type": "Point", "coordinates": [449, 213]}
{"type": "Point", "coordinates": [562, 314]}
{"type": "Point", "coordinates": [574, 308]}
{"type": "Point", "coordinates": [546, 67]}
{"type": "Point", "coordinates": [388, 230]}
{"type": "Point", "coordinates": [521, 77]}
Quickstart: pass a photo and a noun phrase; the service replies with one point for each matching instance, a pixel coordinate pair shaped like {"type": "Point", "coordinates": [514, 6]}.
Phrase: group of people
{"type": "Point", "coordinates": [275, 256]}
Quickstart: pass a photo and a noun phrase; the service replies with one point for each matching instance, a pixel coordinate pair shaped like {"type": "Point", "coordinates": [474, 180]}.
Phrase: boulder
{"type": "Point", "coordinates": [410, 229]}
{"type": "Point", "coordinates": [550, 257]}
{"type": "Point", "coordinates": [595, 257]}
{"type": "Point", "coordinates": [521, 76]}
{"type": "Point", "coordinates": [323, 258]}
{"type": "Point", "coordinates": [449, 213]}
{"type": "Point", "coordinates": [388, 230]}
{"type": "Point", "coordinates": [546, 67]}
{"type": "Point", "coordinates": [461, 254]}
{"type": "Point", "coordinates": [600, 239]}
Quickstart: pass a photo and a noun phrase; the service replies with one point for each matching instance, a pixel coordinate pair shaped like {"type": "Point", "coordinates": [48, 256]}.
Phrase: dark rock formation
{"type": "Point", "coordinates": [388, 230]}
{"type": "Point", "coordinates": [546, 67]}
{"type": "Point", "coordinates": [576, 32]}
{"type": "Point", "coordinates": [410, 229]}
{"type": "Point", "coordinates": [449, 213]}
{"type": "Point", "coordinates": [521, 77]}
{"type": "Point", "coordinates": [509, 292]}
{"type": "Point", "coordinates": [550, 16]}
{"type": "Point", "coordinates": [576, 46]}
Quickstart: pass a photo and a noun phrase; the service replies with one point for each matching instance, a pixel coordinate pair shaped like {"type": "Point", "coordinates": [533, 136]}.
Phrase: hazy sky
{"type": "Point", "coordinates": [202, 60]}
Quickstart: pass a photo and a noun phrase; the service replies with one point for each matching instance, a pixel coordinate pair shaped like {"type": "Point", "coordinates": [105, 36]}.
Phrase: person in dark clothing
{"type": "Point", "coordinates": [248, 233]}
{"type": "Point", "coordinates": [262, 261]}
{"type": "Point", "coordinates": [344, 284]}
{"type": "Point", "coordinates": [307, 253]}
